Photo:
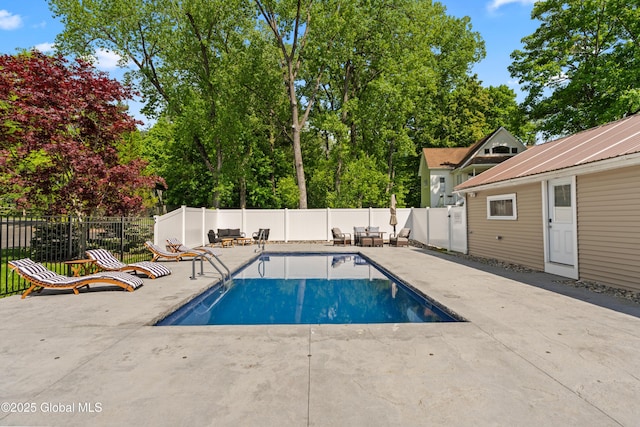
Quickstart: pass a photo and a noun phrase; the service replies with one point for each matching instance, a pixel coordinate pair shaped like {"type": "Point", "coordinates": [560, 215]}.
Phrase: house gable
{"type": "Point", "coordinates": [492, 149]}
{"type": "Point", "coordinates": [443, 168]}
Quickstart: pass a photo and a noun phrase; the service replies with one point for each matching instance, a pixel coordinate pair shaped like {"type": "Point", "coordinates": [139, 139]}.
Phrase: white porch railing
{"type": "Point", "coordinates": [440, 227]}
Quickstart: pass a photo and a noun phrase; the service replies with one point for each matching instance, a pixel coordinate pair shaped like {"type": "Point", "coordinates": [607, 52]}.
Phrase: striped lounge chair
{"type": "Point", "coordinates": [106, 261]}
{"type": "Point", "coordinates": [175, 245]}
{"type": "Point", "coordinates": [41, 277]}
{"type": "Point", "coordinates": [159, 253]}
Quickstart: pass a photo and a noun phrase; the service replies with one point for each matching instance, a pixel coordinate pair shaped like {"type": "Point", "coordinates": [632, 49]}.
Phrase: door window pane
{"type": "Point", "coordinates": [562, 195]}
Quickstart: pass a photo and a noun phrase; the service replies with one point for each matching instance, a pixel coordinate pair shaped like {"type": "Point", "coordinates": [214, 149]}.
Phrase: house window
{"type": "Point", "coordinates": [500, 150]}
{"type": "Point", "coordinates": [514, 150]}
{"type": "Point", "coordinates": [502, 207]}
{"type": "Point", "coordinates": [486, 151]}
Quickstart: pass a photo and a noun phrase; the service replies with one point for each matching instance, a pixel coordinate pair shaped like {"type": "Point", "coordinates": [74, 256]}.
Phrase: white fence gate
{"type": "Point", "coordinates": [440, 227]}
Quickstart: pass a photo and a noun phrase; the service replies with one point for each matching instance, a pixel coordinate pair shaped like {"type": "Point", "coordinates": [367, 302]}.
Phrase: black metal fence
{"type": "Point", "coordinates": [52, 240]}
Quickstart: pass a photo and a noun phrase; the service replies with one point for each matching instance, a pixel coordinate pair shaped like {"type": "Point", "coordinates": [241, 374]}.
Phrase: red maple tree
{"type": "Point", "coordinates": [62, 130]}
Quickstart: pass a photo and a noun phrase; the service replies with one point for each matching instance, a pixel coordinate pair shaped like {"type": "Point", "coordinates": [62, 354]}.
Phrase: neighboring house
{"type": "Point", "coordinates": [569, 207]}
{"type": "Point", "coordinates": [441, 169]}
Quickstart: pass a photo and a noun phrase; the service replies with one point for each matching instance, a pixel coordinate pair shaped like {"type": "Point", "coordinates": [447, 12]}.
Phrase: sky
{"type": "Point", "coordinates": [25, 24]}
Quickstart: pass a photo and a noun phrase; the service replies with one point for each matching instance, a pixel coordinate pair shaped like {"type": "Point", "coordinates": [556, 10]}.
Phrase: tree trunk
{"type": "Point", "coordinates": [215, 171]}
{"type": "Point", "coordinates": [390, 165]}
{"type": "Point", "coordinates": [297, 158]}
{"type": "Point", "coordinates": [297, 145]}
{"type": "Point", "coordinates": [243, 193]}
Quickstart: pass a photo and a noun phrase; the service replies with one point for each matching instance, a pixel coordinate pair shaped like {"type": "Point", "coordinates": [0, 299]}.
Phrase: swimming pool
{"type": "Point", "coordinates": [309, 289]}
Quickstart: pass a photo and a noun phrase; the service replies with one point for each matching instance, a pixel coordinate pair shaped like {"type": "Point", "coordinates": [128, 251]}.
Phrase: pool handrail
{"type": "Point", "coordinates": [206, 256]}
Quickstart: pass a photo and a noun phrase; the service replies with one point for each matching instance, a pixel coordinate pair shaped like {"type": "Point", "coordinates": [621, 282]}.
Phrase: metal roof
{"type": "Point", "coordinates": [608, 141]}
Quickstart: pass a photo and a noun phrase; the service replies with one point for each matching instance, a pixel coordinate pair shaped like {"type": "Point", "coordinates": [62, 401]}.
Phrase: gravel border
{"type": "Point", "coordinates": [595, 287]}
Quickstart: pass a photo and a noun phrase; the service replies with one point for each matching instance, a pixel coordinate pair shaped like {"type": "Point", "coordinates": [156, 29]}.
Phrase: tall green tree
{"type": "Point", "coordinates": [303, 33]}
{"type": "Point", "coordinates": [287, 103]}
{"type": "Point", "coordinates": [580, 68]}
{"type": "Point", "coordinates": [395, 66]}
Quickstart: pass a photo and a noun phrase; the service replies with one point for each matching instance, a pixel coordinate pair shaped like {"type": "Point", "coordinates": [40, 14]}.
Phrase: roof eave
{"type": "Point", "coordinates": [626, 160]}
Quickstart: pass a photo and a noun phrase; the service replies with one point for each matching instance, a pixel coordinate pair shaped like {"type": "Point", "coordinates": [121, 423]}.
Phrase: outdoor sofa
{"type": "Point", "coordinates": [224, 233]}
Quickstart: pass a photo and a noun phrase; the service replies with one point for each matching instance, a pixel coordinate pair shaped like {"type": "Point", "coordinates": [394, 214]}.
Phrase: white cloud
{"type": "Point", "coordinates": [45, 47]}
{"type": "Point", "coordinates": [9, 21]}
{"type": "Point", "coordinates": [496, 4]}
{"type": "Point", "coordinates": [106, 60]}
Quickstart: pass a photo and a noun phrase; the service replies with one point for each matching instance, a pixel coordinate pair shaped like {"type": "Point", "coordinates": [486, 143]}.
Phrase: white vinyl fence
{"type": "Point", "coordinates": [439, 227]}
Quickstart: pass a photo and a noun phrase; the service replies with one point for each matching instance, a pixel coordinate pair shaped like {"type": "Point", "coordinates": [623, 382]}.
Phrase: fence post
{"type": "Point", "coordinates": [203, 226]}
{"type": "Point", "coordinates": [156, 229]}
{"type": "Point", "coordinates": [184, 222]}
{"type": "Point", "coordinates": [286, 224]}
{"type": "Point", "coordinates": [243, 219]}
{"type": "Point", "coordinates": [428, 226]}
{"type": "Point", "coordinates": [70, 237]}
{"type": "Point", "coordinates": [449, 229]}
{"type": "Point", "coordinates": [121, 237]}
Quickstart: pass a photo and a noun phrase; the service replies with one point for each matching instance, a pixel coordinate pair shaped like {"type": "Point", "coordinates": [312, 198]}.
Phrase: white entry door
{"type": "Point", "coordinates": [561, 221]}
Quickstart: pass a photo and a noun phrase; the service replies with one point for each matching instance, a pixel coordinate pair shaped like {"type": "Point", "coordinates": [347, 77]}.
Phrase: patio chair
{"type": "Point", "coordinates": [213, 238]}
{"type": "Point", "coordinates": [175, 245]}
{"type": "Point", "coordinates": [340, 238]}
{"type": "Point", "coordinates": [262, 233]}
{"type": "Point", "coordinates": [106, 261]}
{"type": "Point", "coordinates": [41, 277]}
{"type": "Point", "coordinates": [158, 253]}
{"type": "Point", "coordinates": [402, 239]}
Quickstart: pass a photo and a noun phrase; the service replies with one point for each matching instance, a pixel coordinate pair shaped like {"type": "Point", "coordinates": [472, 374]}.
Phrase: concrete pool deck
{"type": "Point", "coordinates": [527, 356]}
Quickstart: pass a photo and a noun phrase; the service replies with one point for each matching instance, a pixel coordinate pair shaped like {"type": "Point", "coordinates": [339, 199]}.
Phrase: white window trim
{"type": "Point", "coordinates": [512, 197]}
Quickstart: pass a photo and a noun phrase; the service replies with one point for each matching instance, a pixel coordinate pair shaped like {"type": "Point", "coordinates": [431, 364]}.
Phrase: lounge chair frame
{"type": "Point", "coordinates": [106, 261]}
{"type": "Point", "coordinates": [176, 246]}
{"type": "Point", "coordinates": [159, 253]}
{"type": "Point", "coordinates": [41, 277]}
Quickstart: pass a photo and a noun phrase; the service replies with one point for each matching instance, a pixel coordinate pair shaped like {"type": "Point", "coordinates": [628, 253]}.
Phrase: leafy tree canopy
{"type": "Point", "coordinates": [581, 67]}
{"type": "Point", "coordinates": [65, 138]}
{"type": "Point", "coordinates": [264, 99]}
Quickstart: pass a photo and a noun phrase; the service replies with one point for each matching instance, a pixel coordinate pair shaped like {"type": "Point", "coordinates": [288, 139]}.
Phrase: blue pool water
{"type": "Point", "coordinates": [309, 289]}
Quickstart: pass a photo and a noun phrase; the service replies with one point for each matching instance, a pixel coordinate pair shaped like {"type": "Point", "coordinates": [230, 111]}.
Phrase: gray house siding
{"type": "Point", "coordinates": [609, 227]}
{"type": "Point", "coordinates": [518, 241]}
